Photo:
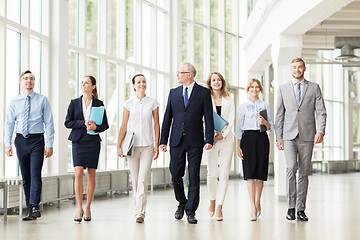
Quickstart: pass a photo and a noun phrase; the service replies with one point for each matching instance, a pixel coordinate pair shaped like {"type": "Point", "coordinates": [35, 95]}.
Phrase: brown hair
{"type": "Point", "coordinates": [251, 82]}
{"type": "Point", "coordinates": [224, 91]}
{"type": "Point", "coordinates": [93, 82]}
{"type": "Point", "coordinates": [25, 72]}
{"type": "Point", "coordinates": [298, 60]}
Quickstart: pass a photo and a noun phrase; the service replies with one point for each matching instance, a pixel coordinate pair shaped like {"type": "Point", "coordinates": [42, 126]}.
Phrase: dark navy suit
{"type": "Point", "coordinates": [75, 120]}
{"type": "Point", "coordinates": [187, 138]}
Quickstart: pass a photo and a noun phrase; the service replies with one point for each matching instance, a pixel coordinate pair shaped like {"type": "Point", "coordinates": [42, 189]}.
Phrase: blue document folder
{"type": "Point", "coordinates": [97, 115]}
{"type": "Point", "coordinates": [219, 122]}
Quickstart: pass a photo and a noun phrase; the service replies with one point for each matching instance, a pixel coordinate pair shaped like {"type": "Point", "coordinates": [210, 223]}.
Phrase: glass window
{"type": "Point", "coordinates": [199, 52]}
{"type": "Point", "coordinates": [92, 67]}
{"type": "Point", "coordinates": [229, 15]}
{"type": "Point", "coordinates": [130, 30]}
{"type": "Point", "coordinates": [13, 10]}
{"type": "Point", "coordinates": [214, 51]}
{"type": "Point", "coordinates": [2, 7]}
{"type": "Point", "coordinates": [163, 4]}
{"type": "Point", "coordinates": [12, 87]}
{"type": "Point", "coordinates": [111, 28]}
{"type": "Point", "coordinates": [92, 25]}
{"type": "Point", "coordinates": [184, 9]}
{"type": "Point", "coordinates": [162, 40]}
{"type": "Point", "coordinates": [13, 63]}
{"type": "Point", "coordinates": [214, 13]}
{"type": "Point", "coordinates": [73, 75]}
{"type": "Point", "coordinates": [36, 15]}
{"type": "Point", "coordinates": [130, 72]}
{"type": "Point", "coordinates": [184, 42]}
{"type": "Point", "coordinates": [36, 62]}
{"type": "Point", "coordinates": [112, 99]}
{"type": "Point", "coordinates": [147, 30]}
{"type": "Point", "coordinates": [73, 22]}
{"type": "Point", "coordinates": [229, 58]}
{"type": "Point", "coordinates": [199, 11]}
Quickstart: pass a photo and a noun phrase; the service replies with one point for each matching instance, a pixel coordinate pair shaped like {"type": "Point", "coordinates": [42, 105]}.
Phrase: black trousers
{"type": "Point", "coordinates": [30, 152]}
{"type": "Point", "coordinates": [178, 156]}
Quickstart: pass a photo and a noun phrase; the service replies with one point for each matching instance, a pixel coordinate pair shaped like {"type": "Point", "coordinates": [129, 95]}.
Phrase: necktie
{"type": "Point", "coordinates": [26, 117]}
{"type": "Point", "coordinates": [186, 98]}
{"type": "Point", "coordinates": [298, 93]}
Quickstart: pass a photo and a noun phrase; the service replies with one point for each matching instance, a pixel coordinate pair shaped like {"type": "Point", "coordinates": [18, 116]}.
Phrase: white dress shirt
{"type": "Point", "coordinates": [248, 113]}
{"type": "Point", "coordinates": [86, 110]}
{"type": "Point", "coordinates": [141, 119]}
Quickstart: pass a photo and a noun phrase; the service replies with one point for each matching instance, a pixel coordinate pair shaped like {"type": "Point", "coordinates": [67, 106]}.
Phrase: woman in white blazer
{"type": "Point", "coordinates": [219, 157]}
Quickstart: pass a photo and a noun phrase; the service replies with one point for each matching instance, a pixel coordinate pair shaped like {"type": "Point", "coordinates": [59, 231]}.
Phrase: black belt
{"type": "Point", "coordinates": [30, 135]}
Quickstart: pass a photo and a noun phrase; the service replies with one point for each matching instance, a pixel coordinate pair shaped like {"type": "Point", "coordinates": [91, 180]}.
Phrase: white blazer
{"type": "Point", "coordinates": [227, 113]}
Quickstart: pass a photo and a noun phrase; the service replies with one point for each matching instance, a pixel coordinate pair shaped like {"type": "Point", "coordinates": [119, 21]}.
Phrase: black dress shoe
{"type": "Point", "coordinates": [28, 217]}
{"type": "Point", "coordinates": [290, 214]}
{"type": "Point", "coordinates": [191, 218]}
{"type": "Point", "coordinates": [301, 216]}
{"type": "Point", "coordinates": [35, 212]}
{"type": "Point", "coordinates": [180, 211]}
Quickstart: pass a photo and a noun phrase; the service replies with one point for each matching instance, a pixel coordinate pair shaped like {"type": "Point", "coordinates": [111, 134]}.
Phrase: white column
{"type": "Point", "coordinates": [2, 94]}
{"type": "Point", "coordinates": [58, 68]}
{"type": "Point", "coordinates": [283, 50]}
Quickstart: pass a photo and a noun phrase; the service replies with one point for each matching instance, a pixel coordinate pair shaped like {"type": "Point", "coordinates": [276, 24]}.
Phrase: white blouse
{"type": "Point", "coordinates": [86, 111]}
{"type": "Point", "coordinates": [141, 119]}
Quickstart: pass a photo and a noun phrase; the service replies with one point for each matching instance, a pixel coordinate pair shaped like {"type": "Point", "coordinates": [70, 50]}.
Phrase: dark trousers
{"type": "Point", "coordinates": [30, 152]}
{"type": "Point", "coordinates": [177, 169]}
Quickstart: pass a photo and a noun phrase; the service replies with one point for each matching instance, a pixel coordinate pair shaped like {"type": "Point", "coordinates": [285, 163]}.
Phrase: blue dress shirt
{"type": "Point", "coordinates": [248, 113]}
{"type": "Point", "coordinates": [40, 115]}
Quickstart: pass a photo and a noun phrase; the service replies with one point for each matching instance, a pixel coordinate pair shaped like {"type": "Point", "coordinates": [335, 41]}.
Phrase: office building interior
{"type": "Point", "coordinates": [61, 41]}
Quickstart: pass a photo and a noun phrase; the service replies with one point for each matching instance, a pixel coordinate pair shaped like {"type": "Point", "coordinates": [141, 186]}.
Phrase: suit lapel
{"type": "Point", "coordinates": [305, 87]}
{"type": "Point", "coordinates": [193, 93]}
{"type": "Point", "coordinates": [291, 86]}
{"type": "Point", "coordinates": [80, 108]}
{"type": "Point", "coordinates": [179, 96]}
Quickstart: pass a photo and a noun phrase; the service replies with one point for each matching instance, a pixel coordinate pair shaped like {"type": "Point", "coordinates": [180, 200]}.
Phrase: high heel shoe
{"type": "Point", "coordinates": [78, 220]}
{"type": "Point", "coordinates": [253, 218]}
{"type": "Point", "coordinates": [211, 213]}
{"type": "Point", "coordinates": [258, 214]}
{"type": "Point", "coordinates": [88, 218]}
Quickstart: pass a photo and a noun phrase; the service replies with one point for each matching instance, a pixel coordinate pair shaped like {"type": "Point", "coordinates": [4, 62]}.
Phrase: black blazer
{"type": "Point", "coordinates": [190, 119]}
{"type": "Point", "coordinates": [75, 119]}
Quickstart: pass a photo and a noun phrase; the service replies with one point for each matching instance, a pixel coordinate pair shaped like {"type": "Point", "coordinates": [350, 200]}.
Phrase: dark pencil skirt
{"type": "Point", "coordinates": [255, 146]}
{"type": "Point", "coordinates": [86, 152]}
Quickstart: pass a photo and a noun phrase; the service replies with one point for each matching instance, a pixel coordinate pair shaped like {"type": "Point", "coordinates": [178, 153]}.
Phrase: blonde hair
{"type": "Point", "coordinates": [224, 91]}
{"type": "Point", "coordinates": [251, 83]}
{"type": "Point", "coordinates": [298, 60]}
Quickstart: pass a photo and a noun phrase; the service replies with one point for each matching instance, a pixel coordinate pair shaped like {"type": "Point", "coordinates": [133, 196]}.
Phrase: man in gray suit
{"type": "Point", "coordinates": [300, 123]}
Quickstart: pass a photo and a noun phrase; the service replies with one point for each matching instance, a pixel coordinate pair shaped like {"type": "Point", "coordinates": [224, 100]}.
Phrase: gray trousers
{"type": "Point", "coordinates": [298, 155]}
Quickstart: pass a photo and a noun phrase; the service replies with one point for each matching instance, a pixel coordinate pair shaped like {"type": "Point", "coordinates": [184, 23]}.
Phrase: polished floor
{"type": "Point", "coordinates": [333, 208]}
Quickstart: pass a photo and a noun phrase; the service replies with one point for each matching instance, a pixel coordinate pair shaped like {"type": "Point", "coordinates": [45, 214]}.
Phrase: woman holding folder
{"type": "Point", "coordinates": [85, 146]}
{"type": "Point", "coordinates": [219, 157]}
{"type": "Point", "coordinates": [253, 143]}
{"type": "Point", "coordinates": [140, 117]}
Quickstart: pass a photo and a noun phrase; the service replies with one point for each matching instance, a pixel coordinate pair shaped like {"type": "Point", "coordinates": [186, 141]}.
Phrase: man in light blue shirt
{"type": "Point", "coordinates": [28, 113]}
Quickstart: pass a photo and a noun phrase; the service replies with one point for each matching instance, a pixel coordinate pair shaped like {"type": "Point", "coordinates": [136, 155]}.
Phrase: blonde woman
{"type": "Point", "coordinates": [219, 157]}
{"type": "Point", "coordinates": [252, 145]}
{"type": "Point", "coordinates": [140, 115]}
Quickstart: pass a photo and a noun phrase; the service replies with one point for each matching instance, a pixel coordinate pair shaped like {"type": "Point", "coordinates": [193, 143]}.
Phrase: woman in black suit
{"type": "Point", "coordinates": [85, 147]}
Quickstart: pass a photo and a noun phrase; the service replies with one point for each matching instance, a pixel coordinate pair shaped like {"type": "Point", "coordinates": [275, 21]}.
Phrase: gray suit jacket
{"type": "Point", "coordinates": [306, 119]}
